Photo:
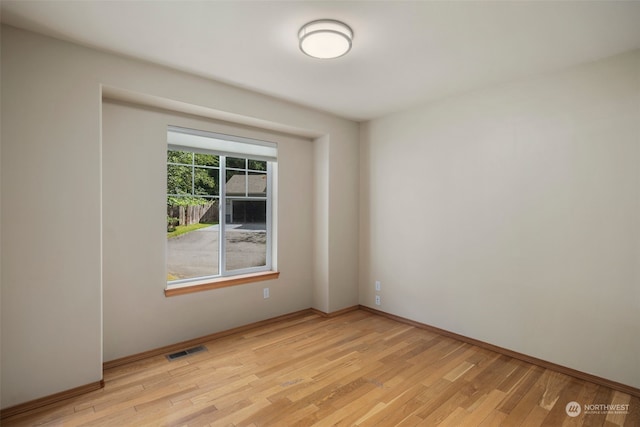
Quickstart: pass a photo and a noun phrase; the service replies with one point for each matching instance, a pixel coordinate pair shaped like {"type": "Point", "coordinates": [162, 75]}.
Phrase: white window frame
{"type": "Point", "coordinates": [204, 142]}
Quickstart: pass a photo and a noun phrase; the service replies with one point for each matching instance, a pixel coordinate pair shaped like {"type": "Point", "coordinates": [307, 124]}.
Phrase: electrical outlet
{"type": "Point", "coordinates": [377, 285]}
{"type": "Point", "coordinates": [265, 293]}
{"type": "Point", "coordinates": [377, 299]}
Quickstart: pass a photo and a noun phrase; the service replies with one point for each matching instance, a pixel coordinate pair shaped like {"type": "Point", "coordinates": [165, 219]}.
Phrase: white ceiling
{"type": "Point", "coordinates": [404, 53]}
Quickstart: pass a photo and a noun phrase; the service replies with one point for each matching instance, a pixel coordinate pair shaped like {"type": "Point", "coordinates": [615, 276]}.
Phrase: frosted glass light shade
{"type": "Point", "coordinates": [325, 39]}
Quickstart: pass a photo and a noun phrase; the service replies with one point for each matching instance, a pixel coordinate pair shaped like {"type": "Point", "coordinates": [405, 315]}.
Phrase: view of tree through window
{"type": "Point", "coordinates": [199, 244]}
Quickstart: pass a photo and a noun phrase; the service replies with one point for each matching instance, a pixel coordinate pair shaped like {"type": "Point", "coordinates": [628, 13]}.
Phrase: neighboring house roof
{"type": "Point", "coordinates": [236, 186]}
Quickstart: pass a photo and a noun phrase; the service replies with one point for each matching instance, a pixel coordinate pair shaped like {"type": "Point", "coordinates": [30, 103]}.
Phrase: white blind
{"type": "Point", "coordinates": [214, 143]}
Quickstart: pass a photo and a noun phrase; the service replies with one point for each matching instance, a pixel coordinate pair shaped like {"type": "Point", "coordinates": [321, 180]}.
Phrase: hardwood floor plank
{"type": "Point", "coordinates": [587, 394]}
{"type": "Point", "coordinates": [440, 394]}
{"type": "Point", "coordinates": [478, 414]}
{"type": "Point", "coordinates": [531, 377]}
{"type": "Point", "coordinates": [515, 377]}
{"type": "Point", "coordinates": [555, 384]}
{"type": "Point", "coordinates": [354, 369]}
{"type": "Point", "coordinates": [633, 417]}
{"type": "Point", "coordinates": [455, 418]}
{"type": "Point", "coordinates": [120, 417]}
{"type": "Point", "coordinates": [489, 379]}
{"type": "Point", "coordinates": [458, 371]}
{"type": "Point", "coordinates": [445, 408]}
{"type": "Point", "coordinates": [495, 419]}
{"type": "Point", "coordinates": [536, 417]}
{"type": "Point", "coordinates": [404, 405]}
{"type": "Point", "coordinates": [199, 417]}
{"type": "Point", "coordinates": [238, 416]}
{"type": "Point", "coordinates": [617, 417]}
{"type": "Point", "coordinates": [292, 418]}
{"type": "Point", "coordinates": [357, 407]}
{"type": "Point", "coordinates": [568, 393]}
{"type": "Point", "coordinates": [527, 401]}
{"type": "Point", "coordinates": [602, 396]}
{"type": "Point", "coordinates": [447, 363]}
{"type": "Point", "coordinates": [150, 414]}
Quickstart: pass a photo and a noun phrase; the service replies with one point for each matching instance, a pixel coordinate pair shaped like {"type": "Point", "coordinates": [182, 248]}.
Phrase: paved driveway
{"type": "Point", "coordinates": [195, 254]}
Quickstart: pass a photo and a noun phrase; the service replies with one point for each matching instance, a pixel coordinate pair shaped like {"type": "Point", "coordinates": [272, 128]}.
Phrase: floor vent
{"type": "Point", "coordinates": [183, 353]}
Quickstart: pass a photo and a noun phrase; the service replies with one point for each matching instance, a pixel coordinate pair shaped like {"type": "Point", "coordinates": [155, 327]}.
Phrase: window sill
{"type": "Point", "coordinates": [222, 282]}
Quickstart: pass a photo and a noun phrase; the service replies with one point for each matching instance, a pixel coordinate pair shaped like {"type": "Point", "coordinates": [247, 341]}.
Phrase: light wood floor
{"type": "Point", "coordinates": [353, 369]}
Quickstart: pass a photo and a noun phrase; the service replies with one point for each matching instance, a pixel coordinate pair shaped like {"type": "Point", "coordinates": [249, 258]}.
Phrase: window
{"type": "Point", "coordinates": [218, 206]}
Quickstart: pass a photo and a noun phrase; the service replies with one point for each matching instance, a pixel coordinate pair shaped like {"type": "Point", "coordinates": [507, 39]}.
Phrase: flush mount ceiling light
{"type": "Point", "coordinates": [325, 38]}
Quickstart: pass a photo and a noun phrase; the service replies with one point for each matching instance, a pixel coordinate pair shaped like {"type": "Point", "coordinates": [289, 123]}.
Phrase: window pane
{"type": "Point", "coordinates": [236, 183]}
{"type": "Point", "coordinates": [192, 239]}
{"type": "Point", "coordinates": [257, 165]}
{"type": "Point", "coordinates": [184, 157]}
{"type": "Point", "coordinates": [179, 179]}
{"type": "Point", "coordinates": [246, 234]}
{"type": "Point", "coordinates": [257, 184]}
{"type": "Point", "coordinates": [206, 182]}
{"type": "Point", "coordinates": [234, 162]}
{"type": "Point", "coordinates": [206, 159]}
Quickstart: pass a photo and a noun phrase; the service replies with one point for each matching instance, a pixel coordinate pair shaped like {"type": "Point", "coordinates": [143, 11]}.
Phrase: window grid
{"type": "Point", "coordinates": [222, 170]}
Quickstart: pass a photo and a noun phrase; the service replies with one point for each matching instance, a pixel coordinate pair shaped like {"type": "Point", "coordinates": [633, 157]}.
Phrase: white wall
{"type": "Point", "coordinates": [52, 249]}
{"type": "Point", "coordinates": [51, 321]}
{"type": "Point", "coordinates": [321, 230]}
{"type": "Point", "coordinates": [512, 215]}
{"type": "Point", "coordinates": [137, 315]}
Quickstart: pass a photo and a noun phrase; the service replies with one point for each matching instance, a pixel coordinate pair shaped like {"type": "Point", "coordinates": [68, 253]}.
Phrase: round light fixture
{"type": "Point", "coordinates": [325, 38]}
